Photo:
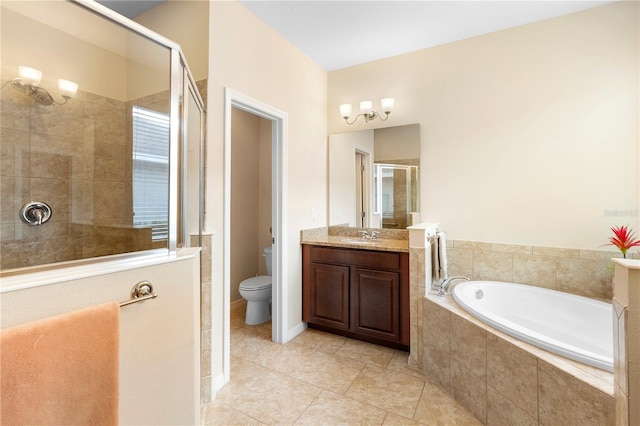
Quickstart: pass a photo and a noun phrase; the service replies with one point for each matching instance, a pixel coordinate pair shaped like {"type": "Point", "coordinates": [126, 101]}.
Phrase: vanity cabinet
{"type": "Point", "coordinates": [363, 294]}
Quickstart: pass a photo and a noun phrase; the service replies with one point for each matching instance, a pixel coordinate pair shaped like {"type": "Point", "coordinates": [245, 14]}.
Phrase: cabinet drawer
{"type": "Point", "coordinates": [362, 258]}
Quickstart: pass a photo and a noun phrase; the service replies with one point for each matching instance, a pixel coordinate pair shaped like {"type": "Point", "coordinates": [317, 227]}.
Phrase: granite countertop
{"type": "Point", "coordinates": [346, 237]}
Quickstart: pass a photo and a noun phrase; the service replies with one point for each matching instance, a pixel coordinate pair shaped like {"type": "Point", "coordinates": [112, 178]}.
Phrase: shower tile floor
{"type": "Point", "coordinates": [323, 379]}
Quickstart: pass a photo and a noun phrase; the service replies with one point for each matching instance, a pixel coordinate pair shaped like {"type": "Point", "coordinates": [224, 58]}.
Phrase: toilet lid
{"type": "Point", "coordinates": [256, 283]}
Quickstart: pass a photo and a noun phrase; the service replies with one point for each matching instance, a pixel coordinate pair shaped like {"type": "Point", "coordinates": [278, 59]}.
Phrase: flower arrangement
{"type": "Point", "coordinates": [623, 239]}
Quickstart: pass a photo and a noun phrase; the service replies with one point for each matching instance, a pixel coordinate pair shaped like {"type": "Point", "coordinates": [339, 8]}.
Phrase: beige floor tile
{"type": "Point", "coordinates": [396, 420]}
{"type": "Point", "coordinates": [400, 362]}
{"type": "Point", "coordinates": [328, 371]}
{"type": "Point", "coordinates": [436, 407]}
{"type": "Point", "coordinates": [333, 409]}
{"type": "Point", "coordinates": [393, 391]}
{"type": "Point", "coordinates": [274, 399]}
{"type": "Point", "coordinates": [219, 413]}
{"type": "Point", "coordinates": [244, 342]}
{"type": "Point", "coordinates": [366, 352]}
{"type": "Point", "coordinates": [243, 374]}
{"type": "Point", "coordinates": [320, 340]}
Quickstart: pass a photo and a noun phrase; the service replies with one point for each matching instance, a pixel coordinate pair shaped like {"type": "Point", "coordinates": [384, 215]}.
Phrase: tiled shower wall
{"type": "Point", "coordinates": [76, 158]}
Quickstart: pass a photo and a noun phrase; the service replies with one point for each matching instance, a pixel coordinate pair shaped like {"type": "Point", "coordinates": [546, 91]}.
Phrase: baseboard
{"type": "Point", "coordinates": [293, 332]}
{"type": "Point", "coordinates": [237, 302]}
{"type": "Point", "coordinates": [216, 384]}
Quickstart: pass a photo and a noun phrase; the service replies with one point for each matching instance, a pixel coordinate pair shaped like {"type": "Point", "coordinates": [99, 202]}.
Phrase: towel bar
{"type": "Point", "coordinates": [140, 292]}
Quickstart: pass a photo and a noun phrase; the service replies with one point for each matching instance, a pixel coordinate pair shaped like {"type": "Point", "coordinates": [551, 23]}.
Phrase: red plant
{"type": "Point", "coordinates": [623, 239]}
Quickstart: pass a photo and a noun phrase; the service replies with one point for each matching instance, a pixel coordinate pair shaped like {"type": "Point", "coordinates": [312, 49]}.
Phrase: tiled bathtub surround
{"type": "Point", "coordinates": [626, 346]}
{"type": "Point", "coordinates": [584, 272]}
{"type": "Point", "coordinates": [502, 380]}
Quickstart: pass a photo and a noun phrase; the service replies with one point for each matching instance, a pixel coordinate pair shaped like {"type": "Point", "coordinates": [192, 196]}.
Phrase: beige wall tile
{"type": "Point", "coordinates": [634, 389]}
{"type": "Point", "coordinates": [513, 372]}
{"type": "Point", "coordinates": [473, 245]}
{"type": "Point", "coordinates": [622, 407]}
{"type": "Point", "coordinates": [511, 248]}
{"type": "Point", "coordinates": [56, 193]}
{"type": "Point", "coordinates": [50, 165]}
{"type": "Point", "coordinates": [108, 200]}
{"type": "Point", "coordinates": [14, 145]}
{"type": "Point", "coordinates": [460, 261]}
{"type": "Point", "coordinates": [436, 325]}
{"type": "Point", "coordinates": [56, 122]}
{"type": "Point", "coordinates": [437, 366]}
{"type": "Point", "coordinates": [620, 346]}
{"type": "Point", "coordinates": [556, 252]}
{"type": "Point", "coordinates": [586, 277]}
{"type": "Point", "coordinates": [469, 346]}
{"type": "Point", "coordinates": [502, 412]}
{"type": "Point", "coordinates": [565, 400]}
{"type": "Point", "coordinates": [492, 266]}
{"type": "Point", "coordinates": [469, 390]}
{"type": "Point", "coordinates": [15, 116]}
{"type": "Point", "coordinates": [436, 407]}
{"type": "Point", "coordinates": [109, 163]}
{"type": "Point", "coordinates": [539, 271]}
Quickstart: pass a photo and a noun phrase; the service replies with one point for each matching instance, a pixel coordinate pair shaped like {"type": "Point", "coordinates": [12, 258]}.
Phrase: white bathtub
{"type": "Point", "coordinates": [575, 327]}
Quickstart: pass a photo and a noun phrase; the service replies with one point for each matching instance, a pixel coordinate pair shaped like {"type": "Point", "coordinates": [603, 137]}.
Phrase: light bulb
{"type": "Point", "coordinates": [366, 107]}
{"type": "Point", "coordinates": [387, 104]}
{"type": "Point", "coordinates": [29, 76]}
{"type": "Point", "coordinates": [66, 88]}
{"type": "Point", "coordinates": [345, 110]}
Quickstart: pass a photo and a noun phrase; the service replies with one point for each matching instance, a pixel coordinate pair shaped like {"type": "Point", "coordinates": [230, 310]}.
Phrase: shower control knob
{"type": "Point", "coordinates": [35, 213]}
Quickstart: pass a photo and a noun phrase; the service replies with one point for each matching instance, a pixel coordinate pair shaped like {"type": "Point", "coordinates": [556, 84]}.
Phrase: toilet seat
{"type": "Point", "coordinates": [261, 282]}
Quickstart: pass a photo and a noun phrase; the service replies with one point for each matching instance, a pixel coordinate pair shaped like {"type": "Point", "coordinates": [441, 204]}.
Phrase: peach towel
{"type": "Point", "coordinates": [62, 370]}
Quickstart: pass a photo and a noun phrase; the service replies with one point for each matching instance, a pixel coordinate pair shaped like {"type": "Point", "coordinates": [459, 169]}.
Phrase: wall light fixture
{"type": "Point", "coordinates": [367, 111]}
{"type": "Point", "coordinates": [28, 81]}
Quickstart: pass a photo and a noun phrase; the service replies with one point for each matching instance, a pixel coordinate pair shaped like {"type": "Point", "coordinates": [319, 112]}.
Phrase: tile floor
{"type": "Point", "coordinates": [323, 379]}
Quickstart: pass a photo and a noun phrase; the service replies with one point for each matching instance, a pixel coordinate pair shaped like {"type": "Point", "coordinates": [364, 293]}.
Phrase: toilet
{"type": "Point", "coordinates": [257, 292]}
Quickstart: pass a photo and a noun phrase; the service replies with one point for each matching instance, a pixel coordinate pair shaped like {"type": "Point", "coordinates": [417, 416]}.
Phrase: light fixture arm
{"type": "Point", "coordinates": [368, 113]}
{"type": "Point", "coordinates": [28, 83]}
{"type": "Point", "coordinates": [40, 95]}
{"type": "Point", "coordinates": [368, 117]}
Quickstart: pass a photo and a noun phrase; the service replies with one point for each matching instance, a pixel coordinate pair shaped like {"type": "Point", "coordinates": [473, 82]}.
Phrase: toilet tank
{"type": "Point", "coordinates": [267, 259]}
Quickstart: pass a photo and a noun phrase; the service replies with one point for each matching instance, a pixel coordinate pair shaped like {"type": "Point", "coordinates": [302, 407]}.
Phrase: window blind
{"type": "Point", "coordinates": [151, 171]}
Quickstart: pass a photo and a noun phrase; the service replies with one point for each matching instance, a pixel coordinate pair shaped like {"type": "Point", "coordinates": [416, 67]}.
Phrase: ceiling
{"type": "Point", "coordinates": [130, 8]}
{"type": "Point", "coordinates": [340, 34]}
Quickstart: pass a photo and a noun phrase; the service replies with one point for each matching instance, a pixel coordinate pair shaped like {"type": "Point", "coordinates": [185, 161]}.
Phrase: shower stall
{"type": "Point", "coordinates": [101, 183]}
{"type": "Point", "coordinates": [396, 194]}
{"type": "Point", "coordinates": [101, 137]}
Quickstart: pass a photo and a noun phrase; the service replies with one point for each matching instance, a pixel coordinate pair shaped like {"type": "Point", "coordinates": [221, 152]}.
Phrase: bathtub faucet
{"type": "Point", "coordinates": [446, 283]}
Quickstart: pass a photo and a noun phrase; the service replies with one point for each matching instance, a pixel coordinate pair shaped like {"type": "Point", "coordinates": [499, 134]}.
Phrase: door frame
{"type": "Point", "coordinates": [279, 126]}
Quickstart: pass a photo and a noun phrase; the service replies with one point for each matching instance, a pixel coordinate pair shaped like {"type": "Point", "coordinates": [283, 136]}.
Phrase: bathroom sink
{"type": "Point", "coordinates": [357, 241]}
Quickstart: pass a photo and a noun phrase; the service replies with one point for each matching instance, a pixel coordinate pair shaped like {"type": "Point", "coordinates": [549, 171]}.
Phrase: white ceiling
{"type": "Point", "coordinates": [340, 34]}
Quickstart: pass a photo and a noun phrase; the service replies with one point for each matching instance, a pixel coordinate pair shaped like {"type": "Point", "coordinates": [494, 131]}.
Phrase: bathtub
{"type": "Point", "coordinates": [575, 327]}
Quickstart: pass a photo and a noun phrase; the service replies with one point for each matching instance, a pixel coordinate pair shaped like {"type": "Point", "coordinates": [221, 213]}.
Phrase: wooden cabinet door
{"type": "Point", "coordinates": [375, 297]}
{"type": "Point", "coordinates": [329, 295]}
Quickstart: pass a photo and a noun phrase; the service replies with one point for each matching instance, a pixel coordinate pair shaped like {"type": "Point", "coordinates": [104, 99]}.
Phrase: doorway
{"type": "Point", "coordinates": [362, 199]}
{"type": "Point", "coordinates": [278, 121]}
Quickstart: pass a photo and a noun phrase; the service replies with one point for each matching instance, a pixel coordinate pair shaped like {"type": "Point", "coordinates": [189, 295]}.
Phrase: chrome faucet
{"type": "Point", "coordinates": [369, 235]}
{"type": "Point", "coordinates": [446, 283]}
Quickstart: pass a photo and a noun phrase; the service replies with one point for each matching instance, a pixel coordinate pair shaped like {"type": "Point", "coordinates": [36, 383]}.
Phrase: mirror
{"type": "Point", "coordinates": [374, 177]}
